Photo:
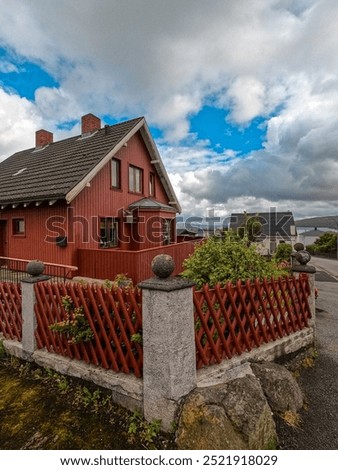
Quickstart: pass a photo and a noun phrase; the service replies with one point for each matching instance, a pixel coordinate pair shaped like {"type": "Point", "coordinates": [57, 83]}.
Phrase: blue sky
{"type": "Point", "coordinates": [23, 77]}
{"type": "Point", "coordinates": [211, 124]}
{"type": "Point", "coordinates": [243, 107]}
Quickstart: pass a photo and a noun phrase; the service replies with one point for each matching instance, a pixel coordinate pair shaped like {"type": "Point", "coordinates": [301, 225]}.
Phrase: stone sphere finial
{"type": "Point", "coordinates": [163, 266]}
{"type": "Point", "coordinates": [303, 257]}
{"type": "Point", "coordinates": [298, 246]}
{"type": "Point", "coordinates": [35, 268]}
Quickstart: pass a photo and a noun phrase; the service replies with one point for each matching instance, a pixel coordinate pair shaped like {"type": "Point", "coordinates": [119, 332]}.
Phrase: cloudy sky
{"type": "Point", "coordinates": [241, 95]}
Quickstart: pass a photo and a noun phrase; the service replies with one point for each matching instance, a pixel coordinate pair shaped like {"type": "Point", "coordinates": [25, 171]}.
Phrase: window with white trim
{"type": "Point", "coordinates": [135, 179]}
{"type": "Point", "coordinates": [116, 173]}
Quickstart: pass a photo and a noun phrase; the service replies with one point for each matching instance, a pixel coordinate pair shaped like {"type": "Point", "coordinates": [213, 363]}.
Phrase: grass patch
{"type": "Point", "coordinates": [42, 409]}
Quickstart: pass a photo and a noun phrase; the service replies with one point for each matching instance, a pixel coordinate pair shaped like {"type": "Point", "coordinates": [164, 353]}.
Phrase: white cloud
{"type": "Point", "coordinates": [246, 95]}
{"type": "Point", "coordinates": [165, 58]}
{"type": "Point", "coordinates": [8, 67]}
{"type": "Point", "coordinates": [19, 121]}
{"type": "Point", "coordinates": [276, 59]}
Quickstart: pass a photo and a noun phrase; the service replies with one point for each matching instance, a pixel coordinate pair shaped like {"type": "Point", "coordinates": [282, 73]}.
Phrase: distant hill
{"type": "Point", "coordinates": [329, 221]}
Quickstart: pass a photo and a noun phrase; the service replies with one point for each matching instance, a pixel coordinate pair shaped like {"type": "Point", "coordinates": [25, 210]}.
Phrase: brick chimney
{"type": "Point", "coordinates": [43, 138]}
{"type": "Point", "coordinates": [90, 123]}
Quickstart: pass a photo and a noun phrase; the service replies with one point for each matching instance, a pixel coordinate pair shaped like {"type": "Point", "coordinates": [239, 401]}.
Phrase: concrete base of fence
{"type": "Point", "coordinates": [14, 348]}
{"type": "Point", "coordinates": [127, 390]}
{"type": "Point", "coordinates": [239, 366]}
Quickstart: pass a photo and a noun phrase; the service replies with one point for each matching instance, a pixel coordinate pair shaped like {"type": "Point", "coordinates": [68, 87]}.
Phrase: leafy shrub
{"type": "Point", "coordinates": [283, 252]}
{"type": "Point", "coordinates": [219, 260]}
{"type": "Point", "coordinates": [250, 228]}
{"type": "Point", "coordinates": [327, 243]}
{"type": "Point", "coordinates": [75, 326]}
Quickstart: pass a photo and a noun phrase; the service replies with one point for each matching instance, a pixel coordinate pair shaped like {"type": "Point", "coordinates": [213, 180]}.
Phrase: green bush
{"type": "Point", "coordinates": [251, 228]}
{"type": "Point", "coordinates": [327, 243]}
{"type": "Point", "coordinates": [283, 252]}
{"type": "Point", "coordinates": [219, 260]}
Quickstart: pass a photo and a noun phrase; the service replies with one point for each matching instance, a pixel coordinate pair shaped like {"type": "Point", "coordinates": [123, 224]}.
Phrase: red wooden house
{"type": "Point", "coordinates": [101, 201]}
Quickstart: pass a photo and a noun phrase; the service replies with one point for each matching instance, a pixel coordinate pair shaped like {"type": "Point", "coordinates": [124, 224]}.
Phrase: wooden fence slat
{"type": "Point", "coordinates": [262, 304]}
{"type": "Point", "coordinates": [276, 291]}
{"type": "Point", "coordinates": [249, 288]}
{"type": "Point", "coordinates": [12, 329]}
{"type": "Point", "coordinates": [231, 289]}
{"type": "Point", "coordinates": [252, 313]}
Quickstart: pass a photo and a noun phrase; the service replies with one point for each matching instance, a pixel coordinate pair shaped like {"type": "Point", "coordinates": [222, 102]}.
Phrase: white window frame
{"type": "Point", "coordinates": [135, 179]}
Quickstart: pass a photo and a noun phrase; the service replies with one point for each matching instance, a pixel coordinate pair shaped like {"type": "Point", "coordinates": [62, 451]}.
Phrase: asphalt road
{"type": "Point", "coordinates": [319, 422]}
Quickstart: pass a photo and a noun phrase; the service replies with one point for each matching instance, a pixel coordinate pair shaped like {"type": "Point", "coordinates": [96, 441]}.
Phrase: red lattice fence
{"type": "Point", "coordinates": [10, 310]}
{"type": "Point", "coordinates": [237, 318]}
{"type": "Point", "coordinates": [114, 317]}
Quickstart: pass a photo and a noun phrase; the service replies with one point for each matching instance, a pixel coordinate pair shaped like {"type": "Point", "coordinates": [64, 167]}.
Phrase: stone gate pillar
{"type": "Point", "coordinates": [300, 258]}
{"type": "Point", "coordinates": [35, 269]}
{"type": "Point", "coordinates": [169, 361]}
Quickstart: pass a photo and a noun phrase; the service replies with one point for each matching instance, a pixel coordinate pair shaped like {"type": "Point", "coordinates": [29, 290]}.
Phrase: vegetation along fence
{"type": "Point", "coordinates": [237, 318]}
{"type": "Point", "coordinates": [10, 311]}
{"type": "Point", "coordinates": [100, 325]}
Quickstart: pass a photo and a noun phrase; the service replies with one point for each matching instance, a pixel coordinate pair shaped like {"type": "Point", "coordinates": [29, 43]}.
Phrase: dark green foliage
{"type": "Point", "coordinates": [75, 326]}
{"type": "Point", "coordinates": [251, 228]}
{"type": "Point", "coordinates": [219, 260]}
{"type": "Point", "coordinates": [283, 252]}
{"type": "Point", "coordinates": [325, 244]}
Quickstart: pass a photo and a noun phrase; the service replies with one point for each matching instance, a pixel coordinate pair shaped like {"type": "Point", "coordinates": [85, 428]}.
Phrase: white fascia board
{"type": "Point", "coordinates": [87, 179]}
{"type": "Point", "coordinates": [157, 162]}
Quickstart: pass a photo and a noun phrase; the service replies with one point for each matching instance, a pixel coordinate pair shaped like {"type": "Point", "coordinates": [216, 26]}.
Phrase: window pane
{"type": "Point", "coordinates": [108, 232]}
{"type": "Point", "coordinates": [131, 178]}
{"type": "Point", "coordinates": [152, 184]}
{"type": "Point", "coordinates": [18, 226]}
{"type": "Point", "coordinates": [166, 231]}
{"type": "Point", "coordinates": [135, 179]}
{"type": "Point", "coordinates": [115, 173]}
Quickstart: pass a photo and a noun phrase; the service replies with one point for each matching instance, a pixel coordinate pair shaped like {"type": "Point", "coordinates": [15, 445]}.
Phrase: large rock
{"type": "Point", "coordinates": [280, 387]}
{"type": "Point", "coordinates": [235, 415]}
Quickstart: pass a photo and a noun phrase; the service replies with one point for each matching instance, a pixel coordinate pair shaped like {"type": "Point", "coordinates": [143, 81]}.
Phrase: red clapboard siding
{"type": "Point", "coordinates": [106, 264]}
{"type": "Point", "coordinates": [34, 244]}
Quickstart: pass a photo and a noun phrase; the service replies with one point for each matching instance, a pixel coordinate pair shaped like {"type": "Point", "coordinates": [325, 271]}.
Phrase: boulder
{"type": "Point", "coordinates": [235, 415]}
{"type": "Point", "coordinates": [279, 386]}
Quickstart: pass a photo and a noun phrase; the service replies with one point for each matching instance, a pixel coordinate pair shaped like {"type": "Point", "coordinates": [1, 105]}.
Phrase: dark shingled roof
{"type": "Point", "coordinates": [51, 172]}
{"type": "Point", "coordinates": [273, 223]}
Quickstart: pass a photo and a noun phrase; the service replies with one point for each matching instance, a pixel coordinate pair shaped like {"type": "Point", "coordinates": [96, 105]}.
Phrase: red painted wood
{"type": "Point", "coordinates": [114, 315]}
{"type": "Point", "coordinates": [10, 311]}
{"type": "Point", "coordinates": [234, 319]}
{"type": "Point", "coordinates": [3, 238]}
{"type": "Point", "coordinates": [106, 264]}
